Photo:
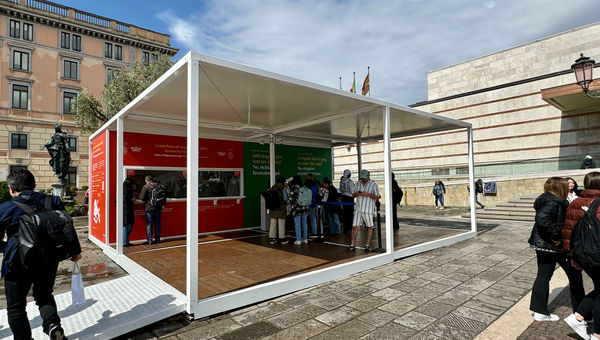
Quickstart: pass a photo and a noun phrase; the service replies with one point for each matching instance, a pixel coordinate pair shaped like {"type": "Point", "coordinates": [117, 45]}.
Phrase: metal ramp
{"type": "Point", "coordinates": [111, 308]}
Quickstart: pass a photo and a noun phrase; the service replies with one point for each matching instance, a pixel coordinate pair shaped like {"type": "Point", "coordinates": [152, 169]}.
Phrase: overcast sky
{"type": "Point", "coordinates": [320, 40]}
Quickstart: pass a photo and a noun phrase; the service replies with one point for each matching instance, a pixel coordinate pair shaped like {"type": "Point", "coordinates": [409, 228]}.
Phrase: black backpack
{"type": "Point", "coordinates": [45, 233]}
{"type": "Point", "coordinates": [271, 198]}
{"type": "Point", "coordinates": [158, 196]}
{"type": "Point", "coordinates": [585, 238]}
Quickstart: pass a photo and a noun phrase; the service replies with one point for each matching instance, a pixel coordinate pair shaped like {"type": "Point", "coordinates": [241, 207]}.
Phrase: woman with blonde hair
{"type": "Point", "coordinates": [546, 239]}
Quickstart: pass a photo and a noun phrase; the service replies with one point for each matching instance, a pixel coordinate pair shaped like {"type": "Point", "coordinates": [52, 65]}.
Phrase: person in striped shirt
{"type": "Point", "coordinates": [366, 194]}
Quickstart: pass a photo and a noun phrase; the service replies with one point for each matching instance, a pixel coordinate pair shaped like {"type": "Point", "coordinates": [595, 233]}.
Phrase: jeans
{"type": "Point", "coordinates": [126, 232]}
{"type": "Point", "coordinates": [301, 219]}
{"type": "Point", "coordinates": [477, 201]}
{"type": "Point", "coordinates": [439, 198]}
{"type": "Point", "coordinates": [16, 287]}
{"type": "Point", "coordinates": [153, 217]}
{"type": "Point", "coordinates": [546, 263]}
{"type": "Point", "coordinates": [314, 220]}
{"type": "Point", "coordinates": [334, 222]}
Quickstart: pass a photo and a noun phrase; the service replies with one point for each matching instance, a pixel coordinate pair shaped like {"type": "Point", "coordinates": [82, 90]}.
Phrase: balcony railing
{"type": "Point", "coordinates": [92, 19]}
{"type": "Point", "coordinates": [48, 7]}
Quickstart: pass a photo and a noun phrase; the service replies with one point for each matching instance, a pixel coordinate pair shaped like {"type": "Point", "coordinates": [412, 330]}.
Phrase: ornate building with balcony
{"type": "Point", "coordinates": [51, 52]}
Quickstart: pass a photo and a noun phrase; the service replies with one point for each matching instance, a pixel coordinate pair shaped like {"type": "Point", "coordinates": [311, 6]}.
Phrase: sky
{"type": "Point", "coordinates": [322, 40]}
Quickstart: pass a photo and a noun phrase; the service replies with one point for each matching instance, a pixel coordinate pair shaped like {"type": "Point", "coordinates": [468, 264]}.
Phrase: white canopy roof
{"type": "Point", "coordinates": [239, 102]}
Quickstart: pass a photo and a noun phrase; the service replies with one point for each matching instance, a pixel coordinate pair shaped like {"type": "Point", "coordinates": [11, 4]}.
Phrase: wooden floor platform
{"type": "Point", "coordinates": [235, 260]}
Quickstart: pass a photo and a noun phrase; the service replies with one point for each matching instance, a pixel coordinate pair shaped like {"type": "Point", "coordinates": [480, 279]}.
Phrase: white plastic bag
{"type": "Point", "coordinates": [77, 292]}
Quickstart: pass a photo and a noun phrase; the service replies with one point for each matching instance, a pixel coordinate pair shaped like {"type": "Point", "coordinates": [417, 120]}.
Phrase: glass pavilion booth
{"type": "Point", "coordinates": [203, 123]}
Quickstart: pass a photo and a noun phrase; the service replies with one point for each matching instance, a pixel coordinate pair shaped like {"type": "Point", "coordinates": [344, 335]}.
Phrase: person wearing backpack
{"type": "Point", "coordinates": [277, 215]}
{"type": "Point", "coordinates": [591, 302]}
{"type": "Point", "coordinates": [20, 278]}
{"type": "Point", "coordinates": [546, 238]}
{"type": "Point", "coordinates": [478, 190]}
{"type": "Point", "coordinates": [300, 197]}
{"type": "Point", "coordinates": [439, 190]}
{"type": "Point", "coordinates": [154, 197]}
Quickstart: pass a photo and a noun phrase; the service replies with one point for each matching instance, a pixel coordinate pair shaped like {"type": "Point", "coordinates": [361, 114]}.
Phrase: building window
{"type": "Point", "coordinates": [14, 168]}
{"type": "Point", "coordinates": [72, 176]}
{"type": "Point", "coordinates": [18, 140]}
{"type": "Point", "coordinates": [153, 56]}
{"type": "Point", "coordinates": [20, 96]}
{"type": "Point", "coordinates": [440, 171]}
{"type": "Point", "coordinates": [146, 58]}
{"type": "Point", "coordinates": [462, 171]}
{"type": "Point", "coordinates": [27, 31]}
{"type": "Point", "coordinates": [20, 61]}
{"type": "Point", "coordinates": [118, 52]}
{"type": "Point", "coordinates": [70, 69]}
{"type": "Point", "coordinates": [111, 73]}
{"type": "Point", "coordinates": [69, 102]}
{"type": "Point", "coordinates": [76, 43]}
{"type": "Point", "coordinates": [108, 49]}
{"type": "Point", "coordinates": [15, 29]}
{"type": "Point", "coordinates": [72, 146]}
{"type": "Point", "coordinates": [65, 40]}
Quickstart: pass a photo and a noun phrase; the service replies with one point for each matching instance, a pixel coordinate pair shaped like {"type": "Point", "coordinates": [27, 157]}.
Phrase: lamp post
{"type": "Point", "coordinates": [583, 69]}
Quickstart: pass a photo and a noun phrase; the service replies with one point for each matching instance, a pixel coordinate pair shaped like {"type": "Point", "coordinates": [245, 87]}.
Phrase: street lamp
{"type": "Point", "coordinates": [583, 68]}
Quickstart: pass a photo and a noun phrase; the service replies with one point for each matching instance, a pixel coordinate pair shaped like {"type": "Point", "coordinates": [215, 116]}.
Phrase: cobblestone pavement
{"type": "Point", "coordinates": [450, 293]}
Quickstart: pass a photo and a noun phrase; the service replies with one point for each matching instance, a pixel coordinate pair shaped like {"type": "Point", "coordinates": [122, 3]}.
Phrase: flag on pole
{"type": "Point", "coordinates": [353, 89]}
{"type": "Point", "coordinates": [366, 86]}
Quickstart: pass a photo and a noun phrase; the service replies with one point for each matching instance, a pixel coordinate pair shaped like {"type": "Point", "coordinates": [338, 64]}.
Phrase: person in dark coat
{"type": "Point", "coordinates": [546, 239]}
{"type": "Point", "coordinates": [588, 163]}
{"type": "Point", "coordinates": [128, 215]}
{"type": "Point", "coordinates": [591, 302]}
{"type": "Point", "coordinates": [396, 199]}
{"type": "Point", "coordinates": [332, 207]}
{"type": "Point", "coordinates": [277, 216]}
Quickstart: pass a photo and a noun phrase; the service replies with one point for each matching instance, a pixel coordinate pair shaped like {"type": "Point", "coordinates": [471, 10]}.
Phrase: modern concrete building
{"type": "Point", "coordinates": [528, 115]}
{"type": "Point", "coordinates": [49, 53]}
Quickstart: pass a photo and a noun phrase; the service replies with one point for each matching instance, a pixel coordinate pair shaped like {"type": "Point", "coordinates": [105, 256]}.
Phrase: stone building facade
{"type": "Point", "coordinates": [49, 53]}
{"type": "Point", "coordinates": [524, 123]}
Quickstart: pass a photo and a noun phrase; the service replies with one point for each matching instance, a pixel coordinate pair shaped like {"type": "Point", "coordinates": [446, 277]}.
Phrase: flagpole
{"type": "Point", "coordinates": [340, 83]}
{"type": "Point", "coordinates": [354, 79]}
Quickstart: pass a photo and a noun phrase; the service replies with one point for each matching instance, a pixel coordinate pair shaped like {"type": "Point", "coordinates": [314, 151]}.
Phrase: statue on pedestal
{"type": "Point", "coordinates": [60, 157]}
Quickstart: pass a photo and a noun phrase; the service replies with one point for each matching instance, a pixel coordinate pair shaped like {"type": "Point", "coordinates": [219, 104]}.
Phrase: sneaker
{"type": "Point", "coordinates": [544, 317]}
{"type": "Point", "coordinates": [284, 241]}
{"type": "Point", "coordinates": [578, 326]}
{"type": "Point", "coordinates": [297, 243]}
{"type": "Point", "coordinates": [436, 207]}
{"type": "Point", "coordinates": [57, 333]}
{"type": "Point", "coordinates": [351, 248]}
{"type": "Point", "coordinates": [272, 241]}
{"type": "Point", "coordinates": [367, 249]}
{"type": "Point", "coordinates": [304, 241]}
{"type": "Point", "coordinates": [442, 208]}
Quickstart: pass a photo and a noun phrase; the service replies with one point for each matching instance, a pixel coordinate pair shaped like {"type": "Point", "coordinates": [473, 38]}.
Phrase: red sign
{"type": "Point", "coordinates": [97, 202]}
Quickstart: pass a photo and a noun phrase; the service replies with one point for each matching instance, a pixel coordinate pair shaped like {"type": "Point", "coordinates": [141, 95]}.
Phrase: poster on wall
{"type": "Point", "coordinates": [289, 161]}
{"type": "Point", "coordinates": [97, 213]}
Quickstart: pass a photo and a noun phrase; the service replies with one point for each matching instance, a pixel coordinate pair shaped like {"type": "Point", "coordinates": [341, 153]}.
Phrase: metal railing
{"type": "Point", "coordinates": [92, 19]}
{"type": "Point", "coordinates": [48, 7]}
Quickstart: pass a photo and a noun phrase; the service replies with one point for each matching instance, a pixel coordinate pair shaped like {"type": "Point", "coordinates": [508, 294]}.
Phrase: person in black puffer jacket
{"type": "Point", "coordinates": [546, 239]}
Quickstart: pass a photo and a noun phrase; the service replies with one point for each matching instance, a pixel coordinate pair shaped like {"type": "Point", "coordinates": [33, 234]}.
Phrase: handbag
{"type": "Point", "coordinates": [77, 291]}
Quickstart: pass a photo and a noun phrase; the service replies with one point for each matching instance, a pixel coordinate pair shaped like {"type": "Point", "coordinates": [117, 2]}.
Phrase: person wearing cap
{"type": "Point", "coordinates": [588, 163]}
{"type": "Point", "coordinates": [346, 189]}
{"type": "Point", "coordinates": [366, 194]}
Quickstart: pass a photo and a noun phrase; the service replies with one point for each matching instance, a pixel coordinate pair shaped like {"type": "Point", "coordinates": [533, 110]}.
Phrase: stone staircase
{"type": "Point", "coordinates": [520, 209]}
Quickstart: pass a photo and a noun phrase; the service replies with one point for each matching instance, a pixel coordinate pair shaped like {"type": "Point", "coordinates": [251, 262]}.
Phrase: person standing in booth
{"type": "Point", "coordinates": [277, 216]}
{"type": "Point", "coordinates": [367, 193]}
{"type": "Point", "coordinates": [346, 191]}
{"type": "Point", "coordinates": [154, 197]}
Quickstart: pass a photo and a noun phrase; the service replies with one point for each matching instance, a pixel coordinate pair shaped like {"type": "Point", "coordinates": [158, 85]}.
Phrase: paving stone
{"type": "Point", "coordinates": [367, 303]}
{"type": "Point", "coordinates": [448, 269]}
{"type": "Point", "coordinates": [397, 307]}
{"type": "Point", "coordinates": [256, 330]}
{"type": "Point", "coordinates": [416, 270]}
{"type": "Point", "coordinates": [485, 307]}
{"type": "Point", "coordinates": [475, 314]}
{"type": "Point", "coordinates": [353, 329]}
{"type": "Point", "coordinates": [425, 336]}
{"type": "Point", "coordinates": [381, 283]}
{"type": "Point", "coordinates": [410, 285]}
{"type": "Point", "coordinates": [399, 276]}
{"type": "Point", "coordinates": [474, 269]}
{"type": "Point", "coordinates": [446, 332]}
{"type": "Point", "coordinates": [453, 297]}
{"type": "Point", "coordinates": [261, 313]}
{"type": "Point", "coordinates": [358, 291]}
{"type": "Point", "coordinates": [290, 318]}
{"type": "Point", "coordinates": [435, 309]}
{"type": "Point", "coordinates": [511, 289]}
{"type": "Point", "coordinates": [338, 316]}
{"type": "Point", "coordinates": [388, 294]}
{"type": "Point", "coordinates": [430, 276]}
{"type": "Point", "coordinates": [458, 276]}
{"type": "Point", "coordinates": [389, 331]}
{"type": "Point", "coordinates": [208, 330]}
{"type": "Point", "coordinates": [329, 303]}
{"type": "Point", "coordinates": [301, 331]}
{"type": "Point", "coordinates": [377, 317]}
{"type": "Point", "coordinates": [492, 275]}
{"type": "Point", "coordinates": [496, 293]}
{"type": "Point", "coordinates": [462, 323]}
{"type": "Point", "coordinates": [415, 320]}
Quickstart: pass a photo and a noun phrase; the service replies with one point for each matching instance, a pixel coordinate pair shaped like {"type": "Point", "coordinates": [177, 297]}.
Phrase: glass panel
{"type": "Point", "coordinates": [17, 60]}
{"type": "Point", "coordinates": [24, 61]}
{"type": "Point", "coordinates": [118, 52]}
{"type": "Point", "coordinates": [15, 29]}
{"type": "Point", "coordinates": [65, 40]}
{"type": "Point", "coordinates": [76, 42]}
{"type": "Point", "coordinates": [28, 32]}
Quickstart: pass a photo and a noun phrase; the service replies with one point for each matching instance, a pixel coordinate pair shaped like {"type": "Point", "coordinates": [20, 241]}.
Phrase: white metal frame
{"type": "Point", "coordinates": [239, 298]}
